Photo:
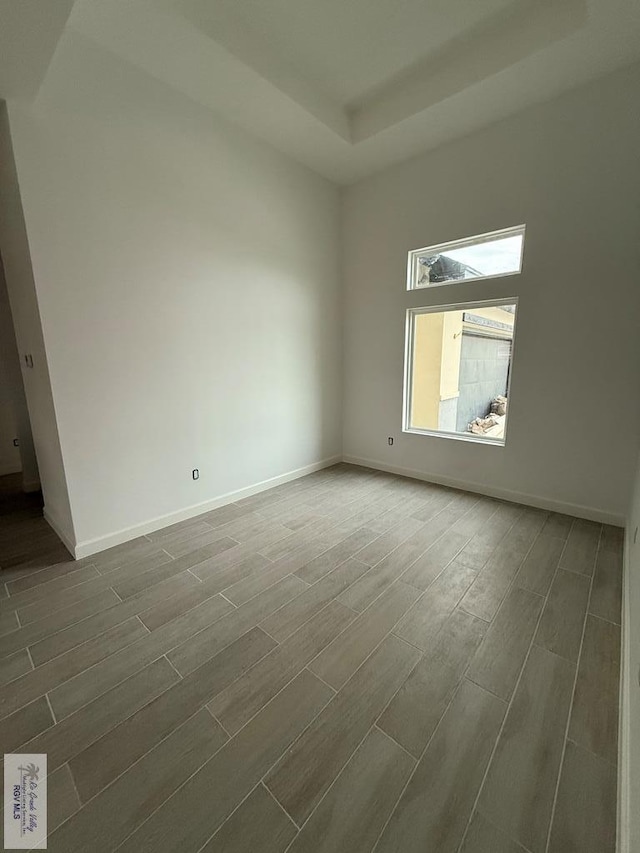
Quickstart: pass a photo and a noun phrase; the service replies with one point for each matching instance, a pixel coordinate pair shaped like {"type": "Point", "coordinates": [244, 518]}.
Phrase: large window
{"type": "Point", "coordinates": [458, 370]}
{"type": "Point", "coordinates": [487, 256]}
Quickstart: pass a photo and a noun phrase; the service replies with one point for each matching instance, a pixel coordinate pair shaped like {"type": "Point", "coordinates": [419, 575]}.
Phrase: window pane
{"type": "Point", "coordinates": [459, 370]}
{"type": "Point", "coordinates": [496, 254]}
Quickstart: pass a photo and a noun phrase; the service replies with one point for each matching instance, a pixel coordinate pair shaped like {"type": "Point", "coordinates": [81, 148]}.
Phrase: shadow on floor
{"type": "Point", "coordinates": [26, 540]}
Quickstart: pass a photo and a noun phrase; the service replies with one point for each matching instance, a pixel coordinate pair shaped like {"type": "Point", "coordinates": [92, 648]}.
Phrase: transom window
{"type": "Point", "coordinates": [490, 255]}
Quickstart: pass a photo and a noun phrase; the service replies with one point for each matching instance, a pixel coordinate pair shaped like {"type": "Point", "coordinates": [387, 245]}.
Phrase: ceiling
{"type": "Point", "coordinates": [346, 49]}
{"type": "Point", "coordinates": [343, 86]}
{"type": "Point", "coordinates": [29, 33]}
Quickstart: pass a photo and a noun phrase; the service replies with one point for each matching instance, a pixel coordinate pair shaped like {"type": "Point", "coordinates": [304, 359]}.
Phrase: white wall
{"type": "Point", "coordinates": [569, 170]}
{"type": "Point", "coordinates": [630, 713]}
{"type": "Point", "coordinates": [14, 402]}
{"type": "Point", "coordinates": [9, 454]}
{"type": "Point", "coordinates": [188, 283]}
{"type": "Point", "coordinates": [14, 246]}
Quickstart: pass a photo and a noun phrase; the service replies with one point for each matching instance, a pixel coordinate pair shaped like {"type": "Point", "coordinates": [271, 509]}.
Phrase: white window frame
{"type": "Point", "coordinates": [408, 368]}
{"type": "Point", "coordinates": [415, 254]}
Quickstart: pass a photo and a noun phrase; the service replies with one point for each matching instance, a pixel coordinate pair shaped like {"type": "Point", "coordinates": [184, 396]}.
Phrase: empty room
{"type": "Point", "coordinates": [320, 426]}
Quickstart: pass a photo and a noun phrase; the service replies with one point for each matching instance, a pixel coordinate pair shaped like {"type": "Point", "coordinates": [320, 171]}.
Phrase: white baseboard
{"type": "Point", "coordinates": [31, 486]}
{"type": "Point", "coordinates": [625, 813]}
{"type": "Point", "coordinates": [67, 540]}
{"type": "Point", "coordinates": [93, 546]}
{"type": "Point", "coordinates": [577, 510]}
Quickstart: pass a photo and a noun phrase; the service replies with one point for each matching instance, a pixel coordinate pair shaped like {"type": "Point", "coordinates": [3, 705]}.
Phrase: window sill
{"type": "Point", "coordinates": [456, 436]}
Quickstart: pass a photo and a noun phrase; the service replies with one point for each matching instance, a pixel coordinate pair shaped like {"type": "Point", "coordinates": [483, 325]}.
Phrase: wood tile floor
{"type": "Point", "coordinates": [349, 662]}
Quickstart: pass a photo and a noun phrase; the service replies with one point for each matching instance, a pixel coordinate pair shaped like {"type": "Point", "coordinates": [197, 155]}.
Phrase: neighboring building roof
{"type": "Point", "coordinates": [442, 268]}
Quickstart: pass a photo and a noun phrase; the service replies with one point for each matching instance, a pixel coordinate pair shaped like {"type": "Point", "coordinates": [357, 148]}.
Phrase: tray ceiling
{"type": "Point", "coordinates": [347, 87]}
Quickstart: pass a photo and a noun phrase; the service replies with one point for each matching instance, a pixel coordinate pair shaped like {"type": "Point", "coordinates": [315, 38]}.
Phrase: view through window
{"type": "Point", "coordinates": [487, 256]}
{"type": "Point", "coordinates": [458, 369]}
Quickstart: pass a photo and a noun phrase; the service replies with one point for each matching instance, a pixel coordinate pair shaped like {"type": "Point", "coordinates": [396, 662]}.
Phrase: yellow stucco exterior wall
{"type": "Point", "coordinates": [451, 349]}
{"type": "Point", "coordinates": [427, 362]}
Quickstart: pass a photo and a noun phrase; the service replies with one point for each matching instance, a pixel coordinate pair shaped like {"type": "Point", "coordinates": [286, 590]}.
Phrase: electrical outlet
{"type": "Point", "coordinates": [195, 474]}
{"type": "Point", "coordinates": [635, 536]}
{"type": "Point", "coordinates": [390, 440]}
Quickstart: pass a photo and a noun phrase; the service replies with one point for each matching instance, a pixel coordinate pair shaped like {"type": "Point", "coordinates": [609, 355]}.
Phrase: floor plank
{"type": "Point", "coordinates": [59, 674]}
{"type": "Point", "coordinates": [339, 661]}
{"type": "Point", "coordinates": [585, 817]}
{"type": "Point", "coordinates": [221, 784]}
{"type": "Point", "coordinates": [110, 755]}
{"type": "Point", "coordinates": [539, 567]}
{"type": "Point", "coordinates": [46, 592]}
{"type": "Point", "coordinates": [258, 824]}
{"type": "Point", "coordinates": [433, 562]}
{"type": "Point", "coordinates": [62, 797]}
{"type": "Point", "coordinates": [239, 702]}
{"type": "Point", "coordinates": [382, 575]}
{"type": "Point", "coordinates": [202, 645]}
{"type": "Point", "coordinates": [518, 793]}
{"type": "Point", "coordinates": [606, 594]}
{"type": "Point", "coordinates": [413, 714]}
{"type": "Point", "coordinates": [580, 552]}
{"type": "Point", "coordinates": [114, 668]}
{"type": "Point", "coordinates": [13, 666]}
{"type": "Point", "coordinates": [482, 546]}
{"type": "Point", "coordinates": [486, 593]}
{"type": "Point", "coordinates": [558, 525]}
{"type": "Point", "coordinates": [302, 776]}
{"type": "Point", "coordinates": [434, 809]}
{"type": "Point", "coordinates": [356, 808]}
{"type": "Point", "coordinates": [427, 616]}
{"type": "Point", "coordinates": [594, 718]}
{"type": "Point", "coordinates": [389, 541]}
{"type": "Point", "coordinates": [560, 629]}
{"type": "Point", "coordinates": [499, 659]}
{"type": "Point", "coordinates": [483, 837]}
{"type": "Point", "coordinates": [121, 808]}
{"type": "Point", "coordinates": [295, 613]}
{"type": "Point", "coordinates": [73, 734]}
{"type": "Point", "coordinates": [319, 567]}
{"type": "Point", "coordinates": [58, 621]}
{"type": "Point", "coordinates": [24, 725]}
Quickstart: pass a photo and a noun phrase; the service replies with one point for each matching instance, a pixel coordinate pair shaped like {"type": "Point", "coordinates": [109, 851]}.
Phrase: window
{"type": "Point", "coordinates": [458, 356]}
{"type": "Point", "coordinates": [458, 369]}
{"type": "Point", "coordinates": [487, 256]}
